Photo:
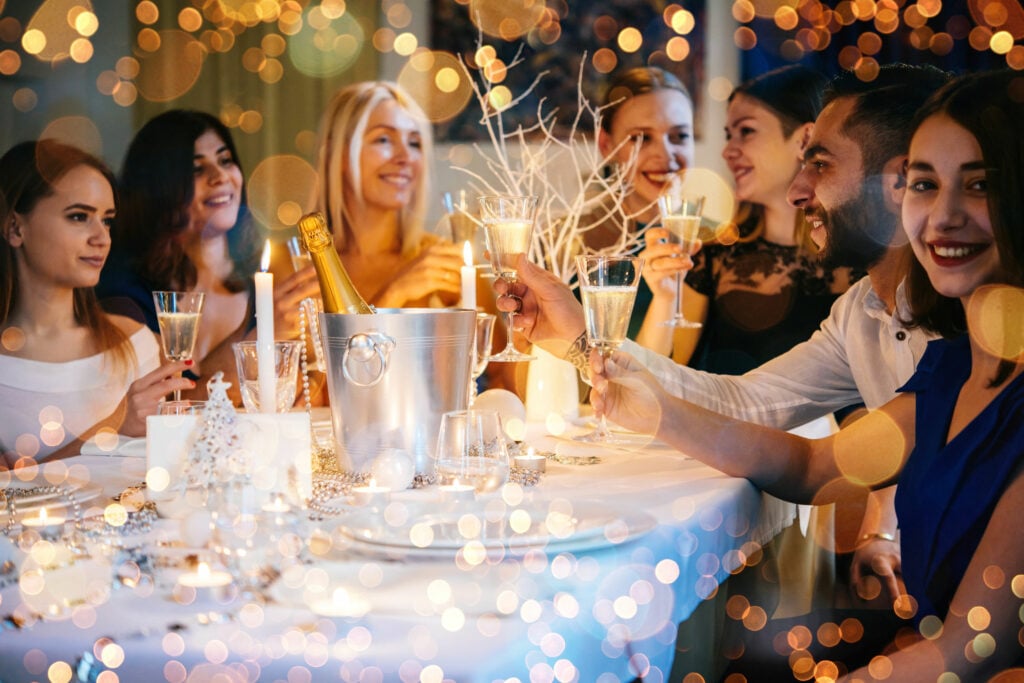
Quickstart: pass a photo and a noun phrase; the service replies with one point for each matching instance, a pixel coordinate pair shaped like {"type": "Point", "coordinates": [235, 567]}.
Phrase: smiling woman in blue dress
{"type": "Point", "coordinates": [66, 368]}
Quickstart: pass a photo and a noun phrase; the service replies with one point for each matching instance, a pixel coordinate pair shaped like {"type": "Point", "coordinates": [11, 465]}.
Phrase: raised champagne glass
{"type": "Point", "coordinates": [178, 313]}
{"type": "Point", "coordinates": [508, 231]}
{"type": "Point", "coordinates": [608, 287]}
{"type": "Point", "coordinates": [680, 216]}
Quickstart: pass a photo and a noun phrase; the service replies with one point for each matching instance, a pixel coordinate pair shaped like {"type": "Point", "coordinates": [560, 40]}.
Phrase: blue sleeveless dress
{"type": "Point", "coordinates": [947, 492]}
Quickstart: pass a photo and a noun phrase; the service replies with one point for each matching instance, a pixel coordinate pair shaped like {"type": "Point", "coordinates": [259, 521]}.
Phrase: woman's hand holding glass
{"type": "Point", "coordinates": [434, 269]}
{"type": "Point", "coordinates": [663, 259]}
{"type": "Point", "coordinates": [146, 393]}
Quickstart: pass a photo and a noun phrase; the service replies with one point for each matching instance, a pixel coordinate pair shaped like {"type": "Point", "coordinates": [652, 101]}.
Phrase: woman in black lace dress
{"type": "Point", "coordinates": [759, 287]}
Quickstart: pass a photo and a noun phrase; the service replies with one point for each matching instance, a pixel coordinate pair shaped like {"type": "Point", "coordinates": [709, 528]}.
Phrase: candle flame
{"type": "Point", "coordinates": [265, 259]}
{"type": "Point", "coordinates": [530, 452]}
{"type": "Point", "coordinates": [203, 570]}
{"type": "Point", "coordinates": [340, 596]}
{"type": "Point", "coordinates": [42, 515]}
{"type": "Point", "coordinates": [467, 253]}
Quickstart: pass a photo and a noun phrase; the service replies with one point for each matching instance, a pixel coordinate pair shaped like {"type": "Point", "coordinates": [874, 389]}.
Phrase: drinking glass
{"type": "Point", "coordinates": [471, 450]}
{"type": "Point", "coordinates": [185, 407]}
{"type": "Point", "coordinates": [178, 313]}
{"type": "Point", "coordinates": [680, 216]}
{"type": "Point", "coordinates": [608, 288]}
{"type": "Point", "coordinates": [508, 230]}
{"type": "Point", "coordinates": [481, 350]}
{"type": "Point", "coordinates": [286, 365]}
{"type": "Point", "coordinates": [300, 257]}
{"type": "Point", "coordinates": [460, 218]}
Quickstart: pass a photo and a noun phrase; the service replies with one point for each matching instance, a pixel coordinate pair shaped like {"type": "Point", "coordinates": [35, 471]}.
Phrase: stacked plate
{"type": "Point", "coordinates": [474, 531]}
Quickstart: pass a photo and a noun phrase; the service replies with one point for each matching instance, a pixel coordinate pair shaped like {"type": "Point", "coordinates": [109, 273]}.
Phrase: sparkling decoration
{"type": "Point", "coordinates": [215, 451]}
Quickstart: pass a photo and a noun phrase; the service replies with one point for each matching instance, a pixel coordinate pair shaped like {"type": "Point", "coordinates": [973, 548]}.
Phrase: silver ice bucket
{"type": "Point", "coordinates": [390, 377]}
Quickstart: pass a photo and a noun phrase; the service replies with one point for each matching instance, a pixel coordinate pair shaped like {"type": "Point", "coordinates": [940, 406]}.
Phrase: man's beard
{"type": "Point", "coordinates": [859, 231]}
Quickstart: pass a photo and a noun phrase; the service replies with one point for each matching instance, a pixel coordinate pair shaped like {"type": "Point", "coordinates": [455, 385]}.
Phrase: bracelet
{"type": "Point", "coordinates": [578, 355]}
{"type": "Point", "coordinates": [878, 536]}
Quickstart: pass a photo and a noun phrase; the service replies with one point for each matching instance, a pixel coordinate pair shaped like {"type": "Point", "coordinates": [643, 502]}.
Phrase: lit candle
{"type": "Point", "coordinates": [457, 493]}
{"type": "Point", "coordinates": [265, 335]}
{"type": "Point", "coordinates": [341, 604]}
{"type": "Point", "coordinates": [370, 494]}
{"type": "Point", "coordinates": [44, 521]}
{"type": "Point", "coordinates": [468, 273]}
{"type": "Point", "coordinates": [531, 461]}
{"type": "Point", "coordinates": [204, 577]}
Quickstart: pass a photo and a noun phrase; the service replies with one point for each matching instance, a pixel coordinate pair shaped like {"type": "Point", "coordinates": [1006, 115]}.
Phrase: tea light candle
{"type": "Point", "coordinates": [370, 494]}
{"type": "Point", "coordinates": [265, 334]}
{"type": "Point", "coordinates": [341, 604]}
{"type": "Point", "coordinates": [44, 522]}
{"type": "Point", "coordinates": [277, 503]}
{"type": "Point", "coordinates": [457, 493]}
{"type": "Point", "coordinates": [468, 274]}
{"type": "Point", "coordinates": [532, 461]}
{"type": "Point", "coordinates": [204, 577]}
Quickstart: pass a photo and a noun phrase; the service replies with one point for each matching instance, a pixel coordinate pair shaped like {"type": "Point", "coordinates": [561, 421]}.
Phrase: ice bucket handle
{"type": "Point", "coordinates": [366, 358]}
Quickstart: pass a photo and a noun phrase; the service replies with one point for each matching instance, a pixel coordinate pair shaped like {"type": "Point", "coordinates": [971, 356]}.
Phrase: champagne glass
{"type": "Point", "coordinates": [608, 287]}
{"type": "Point", "coordinates": [460, 219]}
{"type": "Point", "coordinates": [471, 450]}
{"type": "Point", "coordinates": [178, 313]}
{"type": "Point", "coordinates": [508, 230]}
{"type": "Point", "coordinates": [481, 350]}
{"type": "Point", "coordinates": [680, 216]}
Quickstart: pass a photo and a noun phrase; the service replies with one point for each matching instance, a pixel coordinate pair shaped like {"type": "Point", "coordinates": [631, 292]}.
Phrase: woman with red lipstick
{"type": "Point", "coordinates": [375, 147]}
{"type": "Point", "coordinates": [66, 368]}
{"type": "Point", "coordinates": [760, 289]}
{"type": "Point", "coordinates": [953, 439]}
{"type": "Point", "coordinates": [184, 226]}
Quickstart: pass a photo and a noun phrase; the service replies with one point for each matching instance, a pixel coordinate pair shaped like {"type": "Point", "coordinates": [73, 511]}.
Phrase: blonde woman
{"type": "Point", "coordinates": [375, 150]}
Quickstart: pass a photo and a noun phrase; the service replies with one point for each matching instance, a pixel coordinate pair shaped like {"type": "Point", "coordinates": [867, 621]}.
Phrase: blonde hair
{"type": "Point", "coordinates": [340, 144]}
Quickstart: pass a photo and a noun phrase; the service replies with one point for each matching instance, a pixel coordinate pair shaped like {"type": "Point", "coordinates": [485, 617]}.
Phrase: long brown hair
{"type": "Point", "coordinates": [990, 106]}
{"type": "Point", "coordinates": [28, 173]}
{"type": "Point", "coordinates": [793, 94]}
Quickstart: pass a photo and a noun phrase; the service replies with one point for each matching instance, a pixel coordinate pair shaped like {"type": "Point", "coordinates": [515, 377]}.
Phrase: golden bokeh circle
{"type": "Point", "coordinates": [78, 131]}
{"type": "Point", "coordinates": [283, 180]}
{"type": "Point", "coordinates": [170, 71]}
{"type": "Point", "coordinates": [996, 315]}
{"type": "Point", "coordinates": [506, 19]}
{"type": "Point", "coordinates": [438, 83]}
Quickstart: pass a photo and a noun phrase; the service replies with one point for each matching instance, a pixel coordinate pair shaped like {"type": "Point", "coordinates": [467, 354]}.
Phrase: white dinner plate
{"type": "Point", "coordinates": [588, 527]}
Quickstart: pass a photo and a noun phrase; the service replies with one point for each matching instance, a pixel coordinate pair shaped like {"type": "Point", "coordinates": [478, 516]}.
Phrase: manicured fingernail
{"type": "Point", "coordinates": [193, 384]}
{"type": "Point", "coordinates": [188, 362]}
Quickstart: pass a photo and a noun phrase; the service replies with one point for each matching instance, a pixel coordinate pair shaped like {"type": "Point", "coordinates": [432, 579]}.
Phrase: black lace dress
{"type": "Point", "coordinates": [764, 298]}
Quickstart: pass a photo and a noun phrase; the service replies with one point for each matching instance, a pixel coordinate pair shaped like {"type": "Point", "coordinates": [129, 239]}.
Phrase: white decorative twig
{"type": "Point", "coordinates": [579, 189]}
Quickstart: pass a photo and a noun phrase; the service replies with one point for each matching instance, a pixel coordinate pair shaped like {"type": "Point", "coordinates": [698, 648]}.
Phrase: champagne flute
{"type": "Point", "coordinates": [481, 350]}
{"type": "Point", "coordinates": [508, 231]}
{"type": "Point", "coordinates": [608, 286]}
{"type": "Point", "coordinates": [178, 313]}
{"type": "Point", "coordinates": [460, 219]}
{"type": "Point", "coordinates": [680, 216]}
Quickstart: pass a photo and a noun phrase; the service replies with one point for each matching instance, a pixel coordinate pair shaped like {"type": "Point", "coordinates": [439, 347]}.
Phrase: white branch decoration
{"type": "Point", "coordinates": [578, 188]}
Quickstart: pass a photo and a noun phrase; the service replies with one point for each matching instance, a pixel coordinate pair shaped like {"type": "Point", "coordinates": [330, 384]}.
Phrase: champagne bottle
{"type": "Point", "coordinates": [336, 288]}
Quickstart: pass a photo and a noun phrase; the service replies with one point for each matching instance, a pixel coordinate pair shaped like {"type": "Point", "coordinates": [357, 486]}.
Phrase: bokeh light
{"type": "Point", "coordinates": [323, 45]}
{"type": "Point", "coordinates": [171, 69]}
{"type": "Point", "coordinates": [438, 83]}
{"type": "Point", "coordinates": [279, 188]}
{"type": "Point", "coordinates": [506, 19]}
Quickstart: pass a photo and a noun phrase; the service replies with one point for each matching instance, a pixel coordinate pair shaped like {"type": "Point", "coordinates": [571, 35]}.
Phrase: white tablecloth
{"type": "Point", "coordinates": [608, 614]}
